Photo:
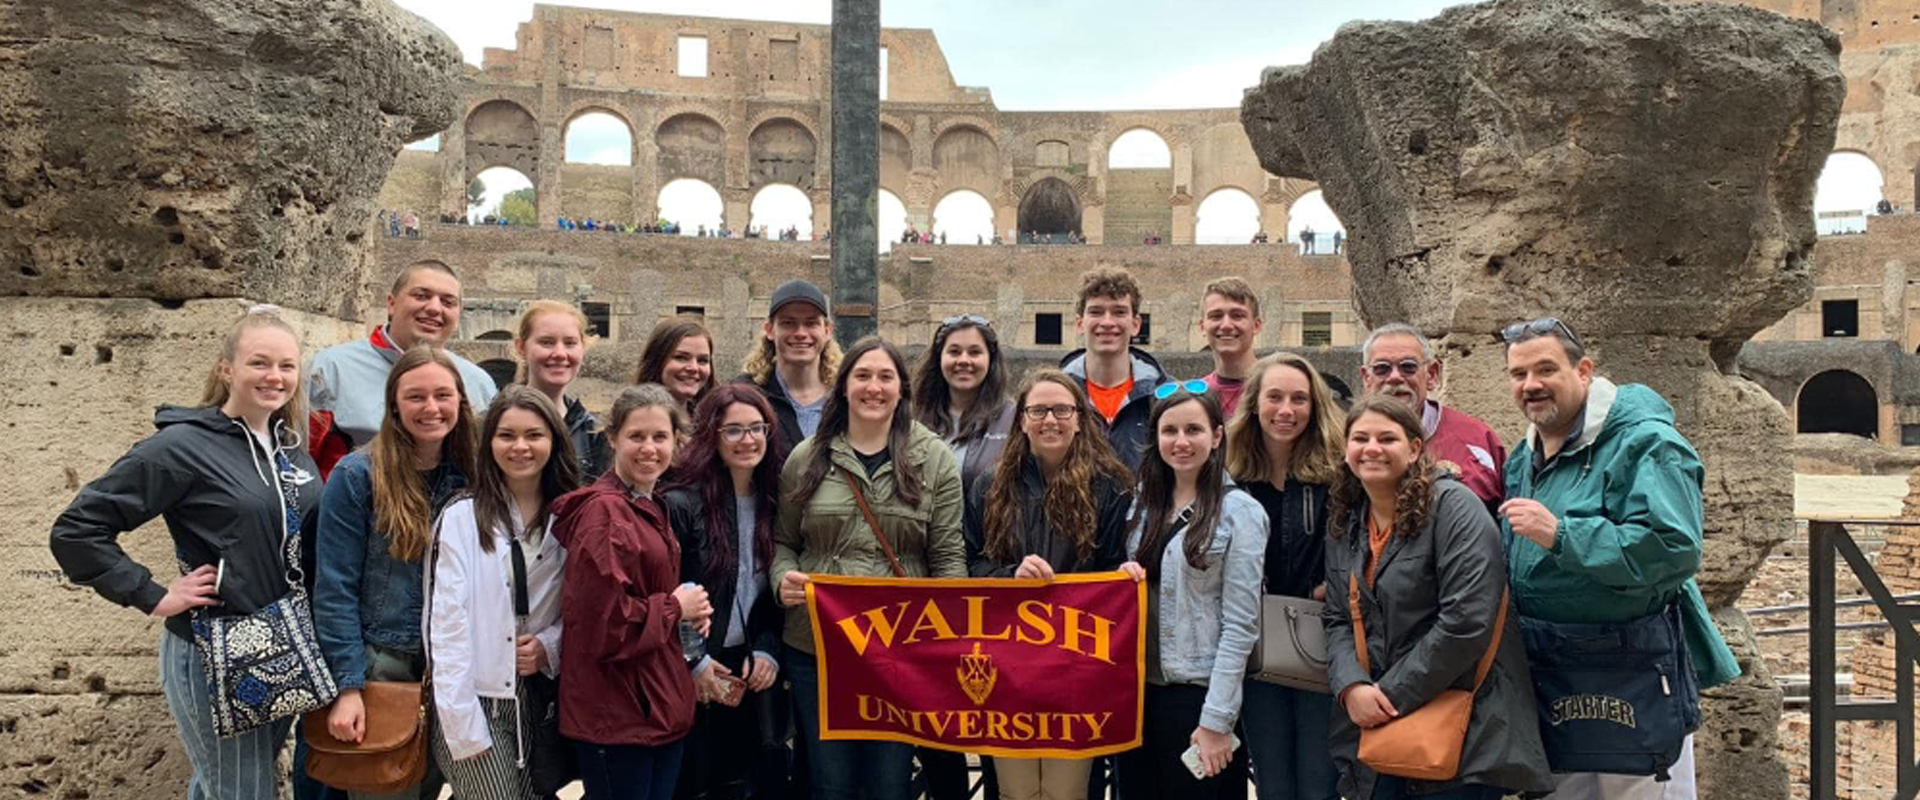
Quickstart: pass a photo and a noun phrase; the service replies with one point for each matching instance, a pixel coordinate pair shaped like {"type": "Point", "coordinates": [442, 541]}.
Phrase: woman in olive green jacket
{"type": "Point", "coordinates": [911, 481]}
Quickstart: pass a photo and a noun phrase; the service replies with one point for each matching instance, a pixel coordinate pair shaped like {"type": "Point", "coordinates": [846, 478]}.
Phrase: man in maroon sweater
{"type": "Point", "coordinates": [1398, 360]}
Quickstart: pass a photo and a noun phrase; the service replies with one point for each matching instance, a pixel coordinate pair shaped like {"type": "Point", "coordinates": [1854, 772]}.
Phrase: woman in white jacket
{"type": "Point", "coordinates": [478, 647]}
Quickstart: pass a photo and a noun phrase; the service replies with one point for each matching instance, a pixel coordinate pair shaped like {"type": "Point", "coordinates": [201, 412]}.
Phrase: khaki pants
{"type": "Point", "coordinates": [1042, 778]}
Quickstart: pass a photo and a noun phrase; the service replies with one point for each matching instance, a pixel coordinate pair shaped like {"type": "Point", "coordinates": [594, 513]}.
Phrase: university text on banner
{"type": "Point", "coordinates": [1006, 667]}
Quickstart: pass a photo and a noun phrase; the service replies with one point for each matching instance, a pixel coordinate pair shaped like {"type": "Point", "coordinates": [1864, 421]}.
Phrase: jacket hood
{"type": "Point", "coordinates": [1147, 371]}
{"type": "Point", "coordinates": [565, 520]}
{"type": "Point", "coordinates": [204, 417]}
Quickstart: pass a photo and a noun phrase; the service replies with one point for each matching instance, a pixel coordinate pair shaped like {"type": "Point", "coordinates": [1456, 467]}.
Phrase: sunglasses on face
{"type": "Point", "coordinates": [1195, 386]}
{"type": "Point", "coordinates": [1408, 368]}
{"type": "Point", "coordinates": [1540, 327]}
{"type": "Point", "coordinates": [734, 434]}
{"type": "Point", "coordinates": [1064, 413]}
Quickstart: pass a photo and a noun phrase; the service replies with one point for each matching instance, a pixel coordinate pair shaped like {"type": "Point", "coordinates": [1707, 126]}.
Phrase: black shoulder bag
{"type": "Point", "coordinates": [550, 761]}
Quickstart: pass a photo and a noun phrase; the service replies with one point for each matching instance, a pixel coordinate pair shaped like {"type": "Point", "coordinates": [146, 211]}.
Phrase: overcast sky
{"type": "Point", "coordinates": [1036, 55]}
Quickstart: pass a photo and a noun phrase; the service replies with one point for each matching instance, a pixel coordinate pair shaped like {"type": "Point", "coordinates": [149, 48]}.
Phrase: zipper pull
{"type": "Point", "coordinates": [1664, 687]}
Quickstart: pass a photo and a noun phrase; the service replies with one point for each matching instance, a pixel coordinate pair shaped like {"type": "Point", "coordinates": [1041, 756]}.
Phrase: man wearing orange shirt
{"type": "Point", "coordinates": [1117, 377]}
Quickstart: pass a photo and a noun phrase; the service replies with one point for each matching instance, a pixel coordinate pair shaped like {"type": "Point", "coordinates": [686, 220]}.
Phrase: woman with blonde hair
{"type": "Point", "coordinates": [551, 340]}
{"type": "Point", "coordinates": [1283, 448]}
{"type": "Point", "coordinates": [238, 493]}
{"type": "Point", "coordinates": [376, 525]}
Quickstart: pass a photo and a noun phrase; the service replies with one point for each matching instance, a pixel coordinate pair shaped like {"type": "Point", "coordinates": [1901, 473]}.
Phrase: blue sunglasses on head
{"type": "Point", "coordinates": [1195, 386]}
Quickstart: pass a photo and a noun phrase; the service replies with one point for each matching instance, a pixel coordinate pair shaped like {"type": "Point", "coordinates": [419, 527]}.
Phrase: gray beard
{"type": "Point", "coordinates": [1546, 418]}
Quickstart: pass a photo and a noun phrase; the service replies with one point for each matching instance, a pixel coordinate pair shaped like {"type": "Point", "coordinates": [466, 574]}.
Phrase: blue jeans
{"type": "Point", "coordinates": [1286, 732]}
{"type": "Point", "coordinates": [244, 767]}
{"type": "Point", "coordinates": [843, 770]}
{"type": "Point", "coordinates": [1390, 787]}
{"type": "Point", "coordinates": [628, 772]}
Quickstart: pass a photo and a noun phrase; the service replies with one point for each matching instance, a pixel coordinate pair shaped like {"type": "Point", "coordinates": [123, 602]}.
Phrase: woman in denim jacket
{"type": "Point", "coordinates": [376, 524]}
{"type": "Point", "coordinates": [1202, 543]}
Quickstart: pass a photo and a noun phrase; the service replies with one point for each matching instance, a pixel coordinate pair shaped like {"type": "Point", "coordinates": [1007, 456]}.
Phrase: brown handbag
{"type": "Point", "coordinates": [1423, 745]}
{"type": "Point", "coordinates": [873, 522]}
{"type": "Point", "coordinates": [391, 756]}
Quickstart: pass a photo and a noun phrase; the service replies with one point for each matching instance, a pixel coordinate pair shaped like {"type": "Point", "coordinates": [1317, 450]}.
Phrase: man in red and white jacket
{"type": "Point", "coordinates": [1397, 360]}
{"type": "Point", "coordinates": [346, 383]}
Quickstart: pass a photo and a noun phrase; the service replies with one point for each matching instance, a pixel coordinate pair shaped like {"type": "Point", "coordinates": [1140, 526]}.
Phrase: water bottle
{"type": "Point", "coordinates": [692, 644]}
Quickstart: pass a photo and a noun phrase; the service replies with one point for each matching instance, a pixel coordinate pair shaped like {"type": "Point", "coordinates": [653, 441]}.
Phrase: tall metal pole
{"type": "Point", "coordinates": [856, 167]}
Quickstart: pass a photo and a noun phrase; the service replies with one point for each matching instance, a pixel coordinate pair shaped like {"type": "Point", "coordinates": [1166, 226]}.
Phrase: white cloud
{"type": "Point", "coordinates": [1211, 84]}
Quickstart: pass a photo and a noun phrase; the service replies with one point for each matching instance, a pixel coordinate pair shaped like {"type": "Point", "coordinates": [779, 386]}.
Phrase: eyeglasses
{"type": "Point", "coordinates": [1063, 412]}
{"type": "Point", "coordinates": [1408, 367]}
{"type": "Point", "coordinates": [1195, 386]}
{"type": "Point", "coordinates": [1539, 327]}
{"type": "Point", "coordinates": [734, 434]}
{"type": "Point", "coordinates": [965, 319]}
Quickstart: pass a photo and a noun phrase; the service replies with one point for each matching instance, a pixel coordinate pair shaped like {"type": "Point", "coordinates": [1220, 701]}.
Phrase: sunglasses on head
{"type": "Point", "coordinates": [1543, 326]}
{"type": "Point", "coordinates": [1195, 386]}
{"type": "Point", "coordinates": [965, 319]}
{"type": "Point", "coordinates": [1408, 367]}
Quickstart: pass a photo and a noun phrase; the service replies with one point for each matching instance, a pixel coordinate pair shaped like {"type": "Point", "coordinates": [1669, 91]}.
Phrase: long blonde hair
{"type": "Point", "coordinates": [401, 508]}
{"type": "Point", "coordinates": [759, 363]}
{"type": "Point", "coordinates": [293, 415]}
{"type": "Point", "coordinates": [1316, 457]}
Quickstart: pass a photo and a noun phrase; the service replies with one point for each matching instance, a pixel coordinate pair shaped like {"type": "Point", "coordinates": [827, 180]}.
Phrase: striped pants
{"type": "Point", "coordinates": [245, 767]}
{"type": "Point", "coordinates": [494, 774]}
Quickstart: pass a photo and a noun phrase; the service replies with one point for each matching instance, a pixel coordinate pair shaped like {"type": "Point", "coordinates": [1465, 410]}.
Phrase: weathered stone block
{"type": "Point", "coordinates": [91, 746]}
{"type": "Point", "coordinates": [183, 148]}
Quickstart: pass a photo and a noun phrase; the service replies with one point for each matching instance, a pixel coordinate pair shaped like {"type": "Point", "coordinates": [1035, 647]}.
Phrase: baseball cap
{"type": "Point", "coordinates": [797, 291]}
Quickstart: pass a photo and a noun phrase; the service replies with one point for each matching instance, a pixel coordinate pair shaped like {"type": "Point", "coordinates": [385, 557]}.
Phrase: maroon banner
{"type": "Point", "coordinates": [1006, 667]}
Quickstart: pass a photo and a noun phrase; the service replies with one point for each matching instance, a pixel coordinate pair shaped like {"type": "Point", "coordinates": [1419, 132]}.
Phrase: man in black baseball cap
{"type": "Point", "coordinates": [796, 360]}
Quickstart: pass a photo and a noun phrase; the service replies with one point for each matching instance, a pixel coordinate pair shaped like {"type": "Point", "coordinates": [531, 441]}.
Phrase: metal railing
{"type": "Point", "coordinates": [1827, 539]}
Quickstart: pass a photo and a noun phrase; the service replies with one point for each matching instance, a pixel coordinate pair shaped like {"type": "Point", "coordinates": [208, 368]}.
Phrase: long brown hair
{"type": "Point", "coordinates": [660, 345]}
{"type": "Point", "coordinates": [401, 508]}
{"type": "Point", "coordinates": [1069, 500]}
{"type": "Point", "coordinates": [705, 473]}
{"type": "Point", "coordinates": [833, 423]}
{"type": "Point", "coordinates": [1154, 507]}
{"type": "Point", "coordinates": [492, 499]}
{"type": "Point", "coordinates": [291, 417]}
{"type": "Point", "coordinates": [1316, 456]}
{"type": "Point", "coordinates": [931, 403]}
{"type": "Point", "coordinates": [1412, 502]}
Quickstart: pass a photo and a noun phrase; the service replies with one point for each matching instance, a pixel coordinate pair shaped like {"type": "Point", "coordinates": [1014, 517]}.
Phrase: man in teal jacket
{"type": "Point", "coordinates": [1604, 518]}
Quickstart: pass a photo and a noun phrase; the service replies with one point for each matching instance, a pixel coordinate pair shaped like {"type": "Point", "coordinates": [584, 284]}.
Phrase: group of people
{"type": "Point", "coordinates": [655, 563]}
{"type": "Point", "coordinates": [396, 224]}
{"type": "Point", "coordinates": [591, 224]}
{"type": "Point", "coordinates": [1307, 238]}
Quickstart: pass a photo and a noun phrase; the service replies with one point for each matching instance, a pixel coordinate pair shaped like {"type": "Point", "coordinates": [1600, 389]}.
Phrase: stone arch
{"type": "Point", "coordinates": [1310, 212]}
{"type": "Point", "coordinates": [1850, 188]}
{"type": "Point", "coordinates": [896, 158]}
{"type": "Point", "coordinates": [695, 205]}
{"type": "Point", "coordinates": [500, 133]}
{"type": "Point", "coordinates": [585, 109]}
{"type": "Point", "coordinates": [965, 216]}
{"type": "Point", "coordinates": [1837, 401]}
{"type": "Point", "coordinates": [691, 144]}
{"type": "Point", "coordinates": [1159, 158]}
{"type": "Point", "coordinates": [1226, 215]}
{"type": "Point", "coordinates": [776, 206]}
{"type": "Point", "coordinates": [1049, 206]}
{"type": "Point", "coordinates": [967, 121]}
{"type": "Point", "coordinates": [781, 149]}
{"type": "Point", "coordinates": [495, 335]}
{"type": "Point", "coordinates": [1223, 157]}
{"type": "Point", "coordinates": [967, 157]}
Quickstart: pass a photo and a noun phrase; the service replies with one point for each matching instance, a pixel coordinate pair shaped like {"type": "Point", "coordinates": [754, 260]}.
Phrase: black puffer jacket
{"type": "Point", "coordinates": [590, 446]}
{"type": "Point", "coordinates": [1429, 620]}
{"type": "Point", "coordinates": [218, 491]}
{"type": "Point", "coordinates": [1111, 500]}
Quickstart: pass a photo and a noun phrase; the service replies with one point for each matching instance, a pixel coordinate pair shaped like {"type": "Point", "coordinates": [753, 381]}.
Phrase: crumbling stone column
{"type": "Point", "coordinates": [163, 165]}
{"type": "Point", "coordinates": [1644, 171]}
